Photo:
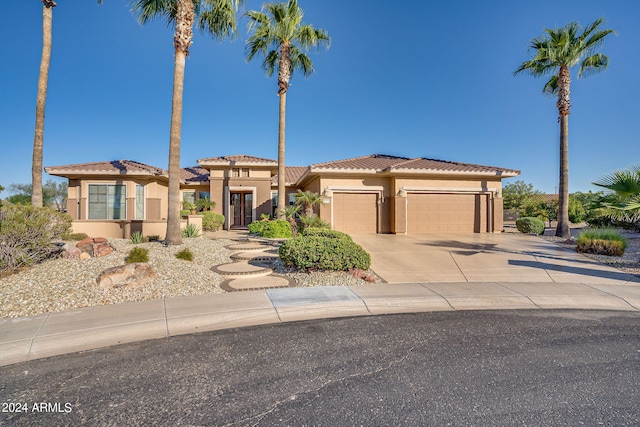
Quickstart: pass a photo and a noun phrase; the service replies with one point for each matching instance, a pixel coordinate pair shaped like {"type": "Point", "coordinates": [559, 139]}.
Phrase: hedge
{"type": "Point", "coordinates": [324, 253]}
{"type": "Point", "coordinates": [323, 232]}
{"type": "Point", "coordinates": [278, 229]}
{"type": "Point", "coordinates": [530, 225]}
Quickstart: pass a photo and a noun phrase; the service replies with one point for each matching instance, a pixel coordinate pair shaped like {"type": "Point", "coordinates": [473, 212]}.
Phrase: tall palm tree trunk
{"type": "Point", "coordinates": [282, 197]}
{"type": "Point", "coordinates": [182, 39]}
{"type": "Point", "coordinates": [41, 100]}
{"type": "Point", "coordinates": [564, 105]}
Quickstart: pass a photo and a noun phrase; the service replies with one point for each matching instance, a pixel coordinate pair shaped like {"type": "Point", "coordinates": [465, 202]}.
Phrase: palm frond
{"type": "Point", "coordinates": [593, 65]}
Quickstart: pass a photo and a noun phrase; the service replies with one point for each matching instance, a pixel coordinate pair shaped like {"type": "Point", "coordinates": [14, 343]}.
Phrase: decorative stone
{"type": "Point", "coordinates": [84, 255]}
{"type": "Point", "coordinates": [71, 252]}
{"type": "Point", "coordinates": [134, 275]}
{"type": "Point", "coordinates": [84, 241]}
{"type": "Point", "coordinates": [86, 248]}
{"type": "Point", "coordinates": [102, 249]}
{"type": "Point", "coordinates": [99, 240]}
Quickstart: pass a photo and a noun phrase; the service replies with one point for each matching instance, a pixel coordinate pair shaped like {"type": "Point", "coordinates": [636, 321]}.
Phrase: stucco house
{"type": "Point", "coordinates": [370, 194]}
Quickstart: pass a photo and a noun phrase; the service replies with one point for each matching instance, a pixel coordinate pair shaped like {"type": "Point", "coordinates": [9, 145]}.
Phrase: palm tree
{"type": "Point", "coordinates": [290, 213]}
{"type": "Point", "coordinates": [279, 35]}
{"type": "Point", "coordinates": [307, 200]}
{"type": "Point", "coordinates": [625, 185]}
{"type": "Point", "coordinates": [41, 100]}
{"type": "Point", "coordinates": [555, 53]}
{"type": "Point", "coordinates": [218, 17]}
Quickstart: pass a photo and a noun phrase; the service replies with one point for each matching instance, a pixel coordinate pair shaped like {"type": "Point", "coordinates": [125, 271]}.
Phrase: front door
{"type": "Point", "coordinates": [242, 208]}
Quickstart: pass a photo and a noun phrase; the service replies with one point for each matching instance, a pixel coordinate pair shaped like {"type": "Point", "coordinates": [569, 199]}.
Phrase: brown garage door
{"type": "Point", "coordinates": [355, 213]}
{"type": "Point", "coordinates": [443, 213]}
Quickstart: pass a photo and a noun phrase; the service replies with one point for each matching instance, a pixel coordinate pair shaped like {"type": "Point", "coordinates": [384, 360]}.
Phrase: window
{"type": "Point", "coordinates": [189, 196]}
{"type": "Point", "coordinates": [274, 201]}
{"type": "Point", "coordinates": [139, 202]}
{"type": "Point", "coordinates": [107, 201]}
{"type": "Point", "coordinates": [240, 172]}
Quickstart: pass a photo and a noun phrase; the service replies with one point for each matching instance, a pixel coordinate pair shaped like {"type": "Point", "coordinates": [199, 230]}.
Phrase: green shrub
{"type": "Point", "coordinates": [137, 254]}
{"type": "Point", "coordinates": [601, 241]}
{"type": "Point", "coordinates": [324, 253]}
{"type": "Point", "coordinates": [74, 236]}
{"type": "Point", "coordinates": [184, 212]}
{"type": "Point", "coordinates": [530, 225]}
{"type": "Point", "coordinates": [212, 221]}
{"type": "Point", "coordinates": [191, 230]}
{"type": "Point", "coordinates": [278, 229]}
{"type": "Point", "coordinates": [256, 227]}
{"type": "Point", "coordinates": [323, 232]}
{"type": "Point", "coordinates": [136, 237]}
{"type": "Point", "coordinates": [185, 254]}
{"type": "Point", "coordinates": [27, 234]}
{"type": "Point", "coordinates": [576, 211]}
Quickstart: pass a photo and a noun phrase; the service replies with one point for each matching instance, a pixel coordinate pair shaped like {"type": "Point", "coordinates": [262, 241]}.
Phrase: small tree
{"type": "Point", "coordinates": [308, 200]}
{"type": "Point", "coordinates": [516, 194]}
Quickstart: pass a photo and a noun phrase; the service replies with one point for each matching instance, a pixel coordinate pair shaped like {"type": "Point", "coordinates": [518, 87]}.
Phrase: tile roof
{"type": "Point", "coordinates": [194, 174]}
{"type": "Point", "coordinates": [383, 162]}
{"type": "Point", "coordinates": [237, 159]}
{"type": "Point", "coordinates": [376, 162]}
{"type": "Point", "coordinates": [292, 174]}
{"type": "Point", "coordinates": [119, 167]}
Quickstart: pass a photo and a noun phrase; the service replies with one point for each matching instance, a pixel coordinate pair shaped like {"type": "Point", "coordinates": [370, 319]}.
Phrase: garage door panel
{"type": "Point", "coordinates": [442, 213]}
{"type": "Point", "coordinates": [355, 213]}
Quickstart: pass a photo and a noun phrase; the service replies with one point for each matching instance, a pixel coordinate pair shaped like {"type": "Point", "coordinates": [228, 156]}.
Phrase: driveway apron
{"type": "Point", "coordinates": [498, 257]}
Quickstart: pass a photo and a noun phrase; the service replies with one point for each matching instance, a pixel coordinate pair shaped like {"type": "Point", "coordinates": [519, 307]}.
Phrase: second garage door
{"type": "Point", "coordinates": [443, 213]}
{"type": "Point", "coordinates": [355, 213]}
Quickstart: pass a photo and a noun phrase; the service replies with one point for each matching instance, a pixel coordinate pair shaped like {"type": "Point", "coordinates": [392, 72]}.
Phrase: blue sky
{"type": "Point", "coordinates": [408, 78]}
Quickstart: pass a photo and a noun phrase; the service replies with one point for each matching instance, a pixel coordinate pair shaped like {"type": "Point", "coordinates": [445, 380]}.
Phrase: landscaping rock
{"type": "Point", "coordinates": [95, 247]}
{"type": "Point", "coordinates": [71, 252]}
{"type": "Point", "coordinates": [84, 255]}
{"type": "Point", "coordinates": [134, 275]}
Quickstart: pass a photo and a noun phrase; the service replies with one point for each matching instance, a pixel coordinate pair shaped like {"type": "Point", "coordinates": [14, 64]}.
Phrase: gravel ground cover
{"type": "Point", "coordinates": [64, 284]}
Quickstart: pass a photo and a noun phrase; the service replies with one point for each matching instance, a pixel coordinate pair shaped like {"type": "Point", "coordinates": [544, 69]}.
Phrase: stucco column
{"type": "Point", "coordinates": [400, 213]}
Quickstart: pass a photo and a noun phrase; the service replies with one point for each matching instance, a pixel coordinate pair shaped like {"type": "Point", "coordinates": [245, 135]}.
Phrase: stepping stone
{"type": "Point", "coordinates": [241, 269]}
{"type": "Point", "coordinates": [256, 283]}
{"type": "Point", "coordinates": [249, 246]}
{"type": "Point", "coordinates": [255, 256]}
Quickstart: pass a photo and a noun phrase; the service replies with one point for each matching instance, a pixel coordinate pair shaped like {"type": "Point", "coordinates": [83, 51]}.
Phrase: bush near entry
{"type": "Point", "coordinates": [323, 232]}
{"type": "Point", "coordinates": [530, 225]}
{"type": "Point", "coordinates": [212, 221]}
{"type": "Point", "coordinates": [324, 253]}
{"type": "Point", "coordinates": [278, 229]}
{"type": "Point", "coordinates": [27, 234]}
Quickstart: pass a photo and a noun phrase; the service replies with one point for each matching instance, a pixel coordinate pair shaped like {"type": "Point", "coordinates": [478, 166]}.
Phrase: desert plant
{"type": "Point", "coordinates": [212, 221]}
{"type": "Point", "coordinates": [312, 221]}
{"type": "Point", "coordinates": [290, 214]}
{"type": "Point", "coordinates": [185, 254]}
{"type": "Point", "coordinates": [191, 230]}
{"type": "Point", "coordinates": [602, 241]}
{"type": "Point", "coordinates": [137, 254]}
{"type": "Point", "coordinates": [184, 212]}
{"type": "Point", "coordinates": [205, 204]}
{"type": "Point", "coordinates": [307, 252]}
{"type": "Point", "coordinates": [136, 237]}
{"type": "Point", "coordinates": [74, 236]}
{"type": "Point", "coordinates": [307, 199]}
{"type": "Point", "coordinates": [188, 206]}
{"type": "Point", "coordinates": [28, 234]}
{"type": "Point", "coordinates": [530, 225]}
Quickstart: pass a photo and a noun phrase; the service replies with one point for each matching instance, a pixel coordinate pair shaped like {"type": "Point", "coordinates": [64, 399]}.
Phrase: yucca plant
{"type": "Point", "coordinates": [136, 237]}
{"type": "Point", "coordinates": [191, 230]}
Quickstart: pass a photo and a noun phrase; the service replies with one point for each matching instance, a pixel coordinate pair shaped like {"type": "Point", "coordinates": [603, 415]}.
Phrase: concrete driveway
{"type": "Point", "coordinates": [499, 257]}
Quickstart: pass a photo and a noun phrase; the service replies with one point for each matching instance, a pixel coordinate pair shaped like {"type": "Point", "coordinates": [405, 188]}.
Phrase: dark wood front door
{"type": "Point", "coordinates": [242, 207]}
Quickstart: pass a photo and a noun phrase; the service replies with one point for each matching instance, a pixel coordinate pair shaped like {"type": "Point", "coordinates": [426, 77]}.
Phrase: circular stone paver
{"type": "Point", "coordinates": [249, 246]}
{"type": "Point", "coordinates": [254, 256]}
{"type": "Point", "coordinates": [241, 269]}
{"type": "Point", "coordinates": [256, 283]}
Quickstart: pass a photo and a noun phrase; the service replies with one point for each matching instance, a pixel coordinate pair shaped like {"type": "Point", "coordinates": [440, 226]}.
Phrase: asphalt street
{"type": "Point", "coordinates": [446, 368]}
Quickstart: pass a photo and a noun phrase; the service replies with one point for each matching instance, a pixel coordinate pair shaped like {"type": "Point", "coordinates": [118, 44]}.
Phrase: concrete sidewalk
{"type": "Point", "coordinates": [28, 338]}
